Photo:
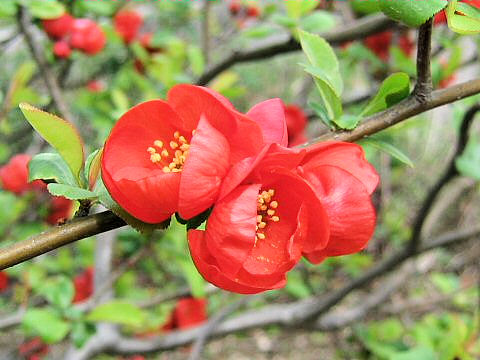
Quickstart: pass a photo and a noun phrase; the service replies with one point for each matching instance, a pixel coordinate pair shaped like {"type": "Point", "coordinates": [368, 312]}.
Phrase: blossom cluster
{"type": "Point", "coordinates": [270, 205]}
{"type": "Point", "coordinates": [14, 178]}
{"type": "Point", "coordinates": [68, 32]}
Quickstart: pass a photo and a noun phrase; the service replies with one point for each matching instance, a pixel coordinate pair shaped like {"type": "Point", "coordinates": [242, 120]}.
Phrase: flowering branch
{"type": "Point", "coordinates": [357, 29]}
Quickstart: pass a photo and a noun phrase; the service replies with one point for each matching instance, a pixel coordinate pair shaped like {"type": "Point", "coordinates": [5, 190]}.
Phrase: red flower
{"type": "Point", "coordinates": [406, 44]}
{"type": "Point", "coordinates": [380, 44]}
{"type": "Point", "coordinates": [188, 312]}
{"type": "Point", "coordinates": [83, 286]}
{"type": "Point", "coordinates": [313, 202]}
{"type": "Point", "coordinates": [59, 27]}
{"type": "Point", "coordinates": [253, 11]}
{"type": "Point", "coordinates": [61, 49]}
{"type": "Point", "coordinates": [127, 23]}
{"type": "Point", "coordinates": [234, 7]}
{"type": "Point", "coordinates": [14, 175]}
{"type": "Point", "coordinates": [182, 150]}
{"type": "Point", "coordinates": [296, 124]}
{"type": "Point", "coordinates": [95, 86]}
{"type": "Point", "coordinates": [34, 349]}
{"type": "Point", "coordinates": [87, 36]}
{"type": "Point", "coordinates": [3, 281]}
{"type": "Point", "coordinates": [60, 209]}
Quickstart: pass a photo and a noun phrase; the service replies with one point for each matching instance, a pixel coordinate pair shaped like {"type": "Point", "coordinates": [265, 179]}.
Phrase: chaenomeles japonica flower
{"type": "Point", "coordinates": [163, 157]}
{"type": "Point", "coordinates": [313, 202]}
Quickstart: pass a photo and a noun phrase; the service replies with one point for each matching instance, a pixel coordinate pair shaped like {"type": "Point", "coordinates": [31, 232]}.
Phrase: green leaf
{"type": "Point", "coordinates": [322, 114]}
{"type": "Point", "coordinates": [365, 7]}
{"type": "Point", "coordinates": [118, 312]}
{"type": "Point", "coordinates": [298, 8]}
{"type": "Point", "coordinates": [284, 20]}
{"type": "Point", "coordinates": [93, 167]}
{"type": "Point", "coordinates": [416, 353]}
{"type": "Point", "coordinates": [462, 24]}
{"type": "Point", "coordinates": [260, 31]}
{"type": "Point", "coordinates": [71, 192]}
{"type": "Point", "coordinates": [107, 201]}
{"type": "Point", "coordinates": [42, 9]}
{"type": "Point", "coordinates": [468, 164]}
{"type": "Point", "coordinates": [102, 8]}
{"type": "Point", "coordinates": [389, 149]}
{"type": "Point", "coordinates": [468, 10]}
{"type": "Point", "coordinates": [60, 134]}
{"type": "Point", "coordinates": [196, 59]}
{"type": "Point", "coordinates": [46, 324]}
{"type": "Point", "coordinates": [411, 12]}
{"type": "Point", "coordinates": [8, 8]}
{"type": "Point", "coordinates": [58, 291]}
{"type": "Point", "coordinates": [393, 89]}
{"type": "Point", "coordinates": [50, 166]}
{"type": "Point", "coordinates": [296, 286]}
{"type": "Point", "coordinates": [319, 21]}
{"type": "Point", "coordinates": [325, 70]}
{"type": "Point", "coordinates": [347, 121]}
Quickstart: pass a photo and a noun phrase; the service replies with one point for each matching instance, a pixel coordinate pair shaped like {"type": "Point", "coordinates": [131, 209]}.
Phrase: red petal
{"type": "Point", "coordinates": [347, 156]}
{"type": "Point", "coordinates": [191, 102]}
{"type": "Point", "coordinates": [230, 234]}
{"type": "Point", "coordinates": [205, 167]}
{"type": "Point", "coordinates": [132, 179]}
{"type": "Point", "coordinates": [296, 121]}
{"type": "Point", "coordinates": [270, 115]}
{"type": "Point", "coordinates": [205, 264]}
{"type": "Point", "coordinates": [349, 208]}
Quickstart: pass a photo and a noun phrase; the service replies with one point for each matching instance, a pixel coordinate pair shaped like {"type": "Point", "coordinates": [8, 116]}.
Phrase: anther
{"type": "Point", "coordinates": [155, 158]}
{"type": "Point", "coordinates": [275, 218]}
{"type": "Point", "coordinates": [151, 150]}
{"type": "Point", "coordinates": [270, 212]}
{"type": "Point", "coordinates": [274, 204]}
{"type": "Point", "coordinates": [158, 143]}
{"type": "Point", "coordinates": [166, 169]}
{"type": "Point", "coordinates": [164, 153]}
{"type": "Point", "coordinates": [182, 139]}
{"type": "Point", "coordinates": [262, 225]}
{"type": "Point", "coordinates": [261, 236]}
{"type": "Point", "coordinates": [176, 134]}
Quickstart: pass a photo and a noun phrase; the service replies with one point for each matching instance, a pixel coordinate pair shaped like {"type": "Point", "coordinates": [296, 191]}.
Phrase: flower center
{"type": "Point", "coordinates": [266, 208]}
{"type": "Point", "coordinates": [171, 157]}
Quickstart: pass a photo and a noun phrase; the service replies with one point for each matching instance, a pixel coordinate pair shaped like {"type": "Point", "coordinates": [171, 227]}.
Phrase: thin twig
{"type": "Point", "coordinates": [24, 22]}
{"type": "Point", "coordinates": [206, 31]}
{"type": "Point", "coordinates": [424, 86]}
{"type": "Point", "coordinates": [358, 29]}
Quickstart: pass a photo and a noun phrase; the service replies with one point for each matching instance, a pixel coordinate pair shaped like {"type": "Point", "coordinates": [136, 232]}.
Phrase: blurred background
{"type": "Point", "coordinates": [90, 61]}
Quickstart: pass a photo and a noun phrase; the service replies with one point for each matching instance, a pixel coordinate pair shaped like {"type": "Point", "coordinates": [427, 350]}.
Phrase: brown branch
{"type": "Point", "coordinates": [206, 31]}
{"type": "Point", "coordinates": [24, 22]}
{"type": "Point", "coordinates": [424, 85]}
{"type": "Point", "coordinates": [358, 29]}
{"type": "Point", "coordinates": [58, 236]}
{"type": "Point", "coordinates": [62, 235]}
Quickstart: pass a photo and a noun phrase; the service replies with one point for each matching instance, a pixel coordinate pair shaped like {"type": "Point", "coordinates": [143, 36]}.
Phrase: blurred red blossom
{"type": "Point", "coordinates": [87, 36]}
{"type": "Point", "coordinates": [61, 49]}
{"type": "Point", "coordinates": [14, 175]}
{"type": "Point", "coordinates": [60, 27]}
{"type": "Point", "coordinates": [95, 86]}
{"type": "Point", "coordinates": [188, 312]}
{"type": "Point", "coordinates": [35, 349]}
{"type": "Point", "coordinates": [127, 24]}
{"type": "Point", "coordinates": [4, 281]}
{"type": "Point", "coordinates": [83, 284]}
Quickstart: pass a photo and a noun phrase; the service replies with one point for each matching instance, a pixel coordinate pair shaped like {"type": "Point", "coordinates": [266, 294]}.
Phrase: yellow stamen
{"type": "Point", "coordinates": [158, 143]}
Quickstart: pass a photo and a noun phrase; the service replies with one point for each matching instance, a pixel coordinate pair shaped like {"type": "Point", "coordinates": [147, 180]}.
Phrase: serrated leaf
{"type": "Point", "coordinates": [107, 201]}
{"type": "Point", "coordinates": [411, 12]}
{"type": "Point", "coordinates": [70, 192]}
{"type": "Point", "coordinates": [118, 312]}
{"type": "Point", "coordinates": [389, 149]}
{"type": "Point", "coordinates": [50, 166]}
{"type": "Point", "coordinates": [42, 9]}
{"type": "Point", "coordinates": [93, 167]}
{"type": "Point", "coordinates": [326, 72]}
{"type": "Point", "coordinates": [365, 7]}
{"type": "Point", "coordinates": [46, 324]}
{"type": "Point", "coordinates": [60, 134]}
{"type": "Point", "coordinates": [394, 88]}
{"type": "Point", "coordinates": [322, 114]}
